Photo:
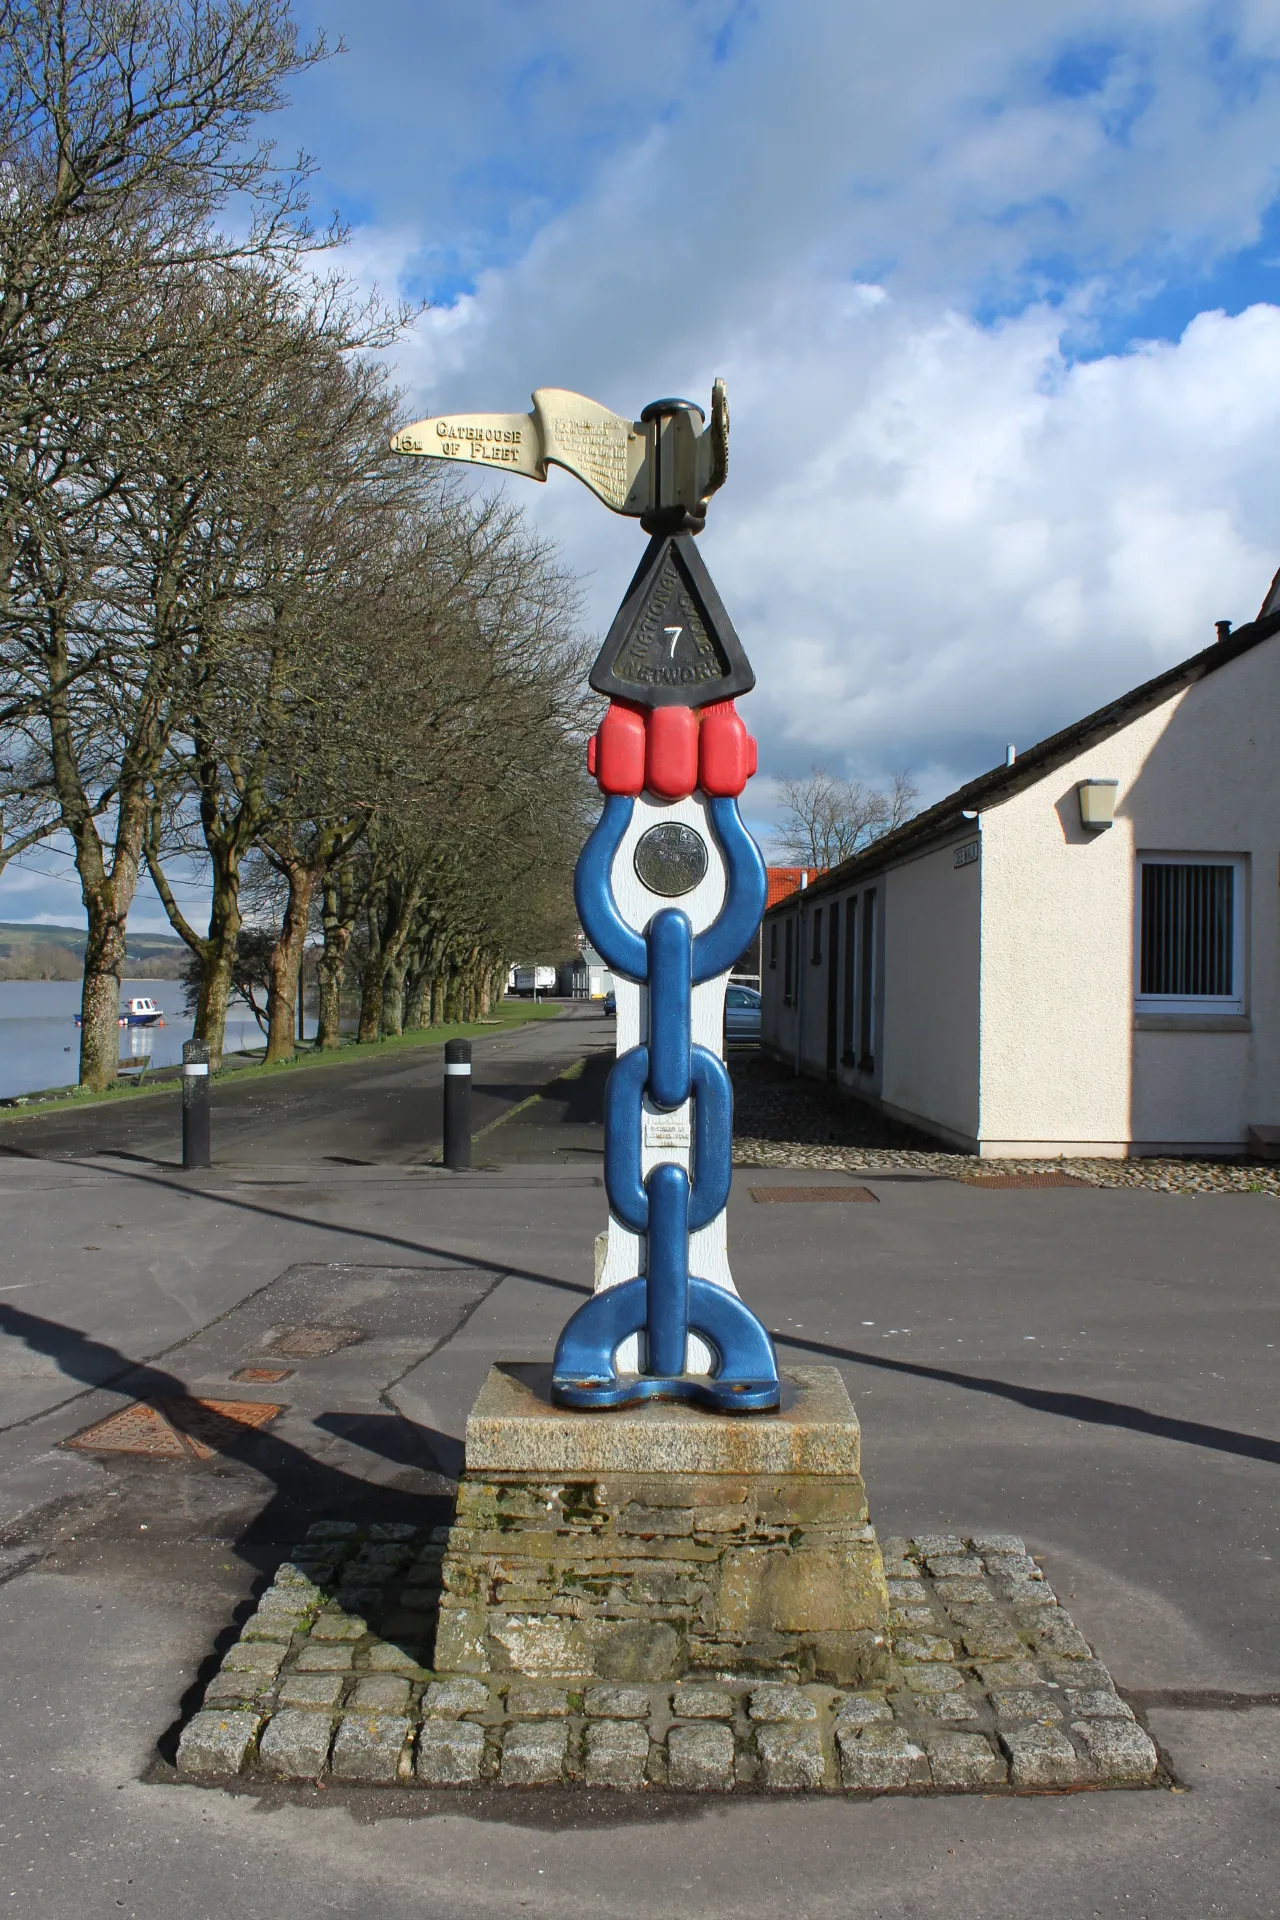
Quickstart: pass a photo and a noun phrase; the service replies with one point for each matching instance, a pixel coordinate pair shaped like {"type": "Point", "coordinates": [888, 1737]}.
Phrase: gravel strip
{"type": "Point", "coordinates": [781, 1121]}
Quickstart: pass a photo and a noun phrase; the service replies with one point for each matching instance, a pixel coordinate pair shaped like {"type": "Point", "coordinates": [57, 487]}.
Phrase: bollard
{"type": "Point", "coordinates": [457, 1104]}
{"type": "Point", "coordinates": [195, 1105]}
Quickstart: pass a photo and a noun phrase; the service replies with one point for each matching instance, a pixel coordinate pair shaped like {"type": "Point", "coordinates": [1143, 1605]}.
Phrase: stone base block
{"type": "Point", "coordinates": [663, 1541]}
{"type": "Point", "coordinates": [951, 1716]}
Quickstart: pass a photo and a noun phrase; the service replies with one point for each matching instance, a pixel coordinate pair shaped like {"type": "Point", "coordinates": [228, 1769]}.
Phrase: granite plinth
{"type": "Point", "coordinates": [513, 1428]}
{"type": "Point", "coordinates": [663, 1541]}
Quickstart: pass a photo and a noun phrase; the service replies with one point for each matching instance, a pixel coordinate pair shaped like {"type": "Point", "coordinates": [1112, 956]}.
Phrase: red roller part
{"type": "Point", "coordinates": [618, 760]}
{"type": "Point", "coordinates": [671, 761]}
{"type": "Point", "coordinates": [726, 751]}
{"type": "Point", "coordinates": [591, 754]}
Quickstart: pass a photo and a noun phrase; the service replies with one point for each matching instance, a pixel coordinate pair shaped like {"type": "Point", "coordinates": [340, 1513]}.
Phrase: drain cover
{"type": "Point", "coordinates": [312, 1343]}
{"type": "Point", "coordinates": [779, 1195]}
{"type": "Point", "coordinates": [175, 1429]}
{"type": "Point", "coordinates": [269, 1376]}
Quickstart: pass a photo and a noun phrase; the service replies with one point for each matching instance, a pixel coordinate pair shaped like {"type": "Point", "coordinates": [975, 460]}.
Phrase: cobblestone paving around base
{"type": "Point", "coordinates": [783, 1121]}
{"type": "Point", "coordinates": [991, 1689]}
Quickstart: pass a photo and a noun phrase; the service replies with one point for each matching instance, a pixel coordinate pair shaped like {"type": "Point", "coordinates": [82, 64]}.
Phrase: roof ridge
{"type": "Point", "coordinates": [1056, 748]}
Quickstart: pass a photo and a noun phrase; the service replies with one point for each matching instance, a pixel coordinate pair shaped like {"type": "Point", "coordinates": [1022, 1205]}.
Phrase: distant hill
{"type": "Point", "coordinates": [29, 952]}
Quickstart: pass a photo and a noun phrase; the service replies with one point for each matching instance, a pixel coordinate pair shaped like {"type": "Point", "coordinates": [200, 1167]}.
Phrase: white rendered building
{"type": "Point", "coordinates": [1019, 978]}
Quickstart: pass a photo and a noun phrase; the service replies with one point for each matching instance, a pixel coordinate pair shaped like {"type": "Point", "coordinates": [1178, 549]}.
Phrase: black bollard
{"type": "Point", "coordinates": [196, 1150]}
{"type": "Point", "coordinates": [457, 1104]}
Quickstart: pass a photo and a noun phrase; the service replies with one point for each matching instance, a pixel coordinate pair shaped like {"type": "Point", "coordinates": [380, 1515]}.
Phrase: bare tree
{"type": "Point", "coordinates": [474, 693]}
{"type": "Point", "coordinates": [28, 803]}
{"type": "Point", "coordinates": [826, 818]}
{"type": "Point", "coordinates": [301, 494]}
{"type": "Point", "coordinates": [902, 796]}
{"type": "Point", "coordinates": [124, 127]}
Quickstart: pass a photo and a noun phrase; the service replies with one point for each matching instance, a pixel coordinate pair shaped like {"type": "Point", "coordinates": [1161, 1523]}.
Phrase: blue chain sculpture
{"type": "Point", "coordinates": [671, 668]}
{"type": "Point", "coordinates": [648, 755]}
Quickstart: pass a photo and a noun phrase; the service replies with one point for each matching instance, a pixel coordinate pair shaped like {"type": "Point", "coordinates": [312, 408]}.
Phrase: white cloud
{"type": "Point", "coordinates": [938, 534]}
{"type": "Point", "coordinates": [990, 541]}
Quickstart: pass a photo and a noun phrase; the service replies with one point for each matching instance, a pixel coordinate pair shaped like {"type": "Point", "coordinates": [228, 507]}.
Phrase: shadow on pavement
{"type": "Point", "coordinates": [394, 1438]}
{"type": "Point", "coordinates": [1067, 1406]}
{"type": "Point", "coordinates": [303, 1489]}
{"type": "Point", "coordinates": [80, 1355]}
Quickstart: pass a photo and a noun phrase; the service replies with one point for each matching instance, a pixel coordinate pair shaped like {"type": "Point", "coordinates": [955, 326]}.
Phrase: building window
{"type": "Point", "coordinates": [773, 944]}
{"type": "Point", "coordinates": [833, 988]}
{"type": "Point", "coordinates": [866, 1036]}
{"type": "Point", "coordinates": [788, 960]}
{"type": "Point", "coordinates": [849, 1055]}
{"type": "Point", "coordinates": [816, 954]}
{"type": "Point", "coordinates": [1190, 935]}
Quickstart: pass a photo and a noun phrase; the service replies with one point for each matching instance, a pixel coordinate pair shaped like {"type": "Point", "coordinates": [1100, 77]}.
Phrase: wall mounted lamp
{"type": "Point", "coordinates": [1097, 802]}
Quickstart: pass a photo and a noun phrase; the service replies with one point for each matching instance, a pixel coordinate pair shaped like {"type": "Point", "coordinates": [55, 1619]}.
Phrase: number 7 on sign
{"type": "Point", "coordinates": [673, 634]}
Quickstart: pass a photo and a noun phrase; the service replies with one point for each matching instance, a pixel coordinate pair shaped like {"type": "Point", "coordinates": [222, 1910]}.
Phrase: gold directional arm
{"type": "Point", "coordinates": [664, 464]}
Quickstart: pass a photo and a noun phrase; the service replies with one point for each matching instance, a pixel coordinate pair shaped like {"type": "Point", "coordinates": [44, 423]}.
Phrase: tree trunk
{"type": "Point", "coordinates": [400, 946]}
{"type": "Point", "coordinates": [100, 996]}
{"type": "Point", "coordinates": [417, 1006]}
{"type": "Point", "coordinates": [107, 902]}
{"type": "Point", "coordinates": [107, 896]}
{"type": "Point", "coordinates": [216, 951]}
{"type": "Point", "coordinates": [338, 917]}
{"type": "Point", "coordinates": [372, 978]}
{"type": "Point", "coordinates": [217, 955]}
{"type": "Point", "coordinates": [370, 1027]}
{"type": "Point", "coordinates": [332, 968]}
{"type": "Point", "coordinates": [211, 1006]}
{"type": "Point", "coordinates": [285, 968]}
{"type": "Point", "coordinates": [393, 996]}
{"type": "Point", "coordinates": [471, 989]}
{"type": "Point", "coordinates": [107, 899]}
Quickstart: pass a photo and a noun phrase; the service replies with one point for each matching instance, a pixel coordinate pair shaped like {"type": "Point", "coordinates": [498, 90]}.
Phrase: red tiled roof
{"type": "Point", "coordinates": [785, 880]}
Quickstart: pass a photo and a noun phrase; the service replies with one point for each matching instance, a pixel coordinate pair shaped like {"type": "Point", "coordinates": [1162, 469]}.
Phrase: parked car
{"type": "Point", "coordinates": [741, 1013]}
{"type": "Point", "coordinates": [610, 1004]}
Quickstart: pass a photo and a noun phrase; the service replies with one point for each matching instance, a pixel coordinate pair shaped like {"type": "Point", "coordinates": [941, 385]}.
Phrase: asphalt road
{"type": "Point", "coordinates": [1094, 1369]}
{"type": "Point", "coordinates": [378, 1106]}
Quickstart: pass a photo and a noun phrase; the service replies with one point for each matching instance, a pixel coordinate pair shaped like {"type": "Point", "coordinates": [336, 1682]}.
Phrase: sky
{"type": "Point", "coordinates": [995, 290]}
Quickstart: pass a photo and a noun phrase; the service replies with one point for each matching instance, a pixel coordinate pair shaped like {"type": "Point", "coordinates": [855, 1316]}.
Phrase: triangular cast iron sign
{"type": "Point", "coordinates": [671, 643]}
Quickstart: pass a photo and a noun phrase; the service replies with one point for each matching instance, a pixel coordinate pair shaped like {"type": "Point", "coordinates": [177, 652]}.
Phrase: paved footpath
{"type": "Point", "coordinates": [1094, 1370]}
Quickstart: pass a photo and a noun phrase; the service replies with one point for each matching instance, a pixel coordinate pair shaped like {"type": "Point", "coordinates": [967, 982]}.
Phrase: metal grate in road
{"type": "Point", "coordinates": [780, 1196]}
{"type": "Point", "coordinates": [312, 1342]}
{"type": "Point", "coordinates": [215, 1426]}
{"type": "Point", "coordinates": [174, 1429]}
{"type": "Point", "coordinates": [135, 1429]}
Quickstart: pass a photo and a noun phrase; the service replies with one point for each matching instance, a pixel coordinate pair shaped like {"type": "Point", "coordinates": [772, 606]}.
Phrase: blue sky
{"type": "Point", "coordinates": [995, 288]}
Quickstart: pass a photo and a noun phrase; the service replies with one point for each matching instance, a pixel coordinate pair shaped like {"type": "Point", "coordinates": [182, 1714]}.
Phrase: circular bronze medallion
{"type": "Point", "coordinates": [671, 858]}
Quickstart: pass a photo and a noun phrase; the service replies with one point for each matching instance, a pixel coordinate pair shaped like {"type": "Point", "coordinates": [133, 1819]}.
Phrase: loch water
{"type": "Point", "coordinates": [40, 1041]}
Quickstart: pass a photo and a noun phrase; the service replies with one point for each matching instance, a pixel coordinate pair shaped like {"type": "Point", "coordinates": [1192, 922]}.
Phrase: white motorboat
{"type": "Point", "coordinates": [138, 1011]}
